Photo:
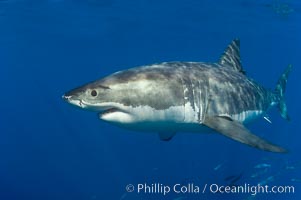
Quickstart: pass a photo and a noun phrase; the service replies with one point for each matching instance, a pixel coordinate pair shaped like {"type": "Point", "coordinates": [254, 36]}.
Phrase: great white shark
{"type": "Point", "coordinates": [173, 97]}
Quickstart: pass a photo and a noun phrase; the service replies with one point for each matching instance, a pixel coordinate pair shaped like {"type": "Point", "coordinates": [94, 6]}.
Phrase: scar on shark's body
{"type": "Point", "coordinates": [172, 97]}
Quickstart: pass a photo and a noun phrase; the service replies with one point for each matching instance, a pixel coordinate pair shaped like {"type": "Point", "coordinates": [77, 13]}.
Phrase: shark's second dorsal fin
{"type": "Point", "coordinates": [231, 56]}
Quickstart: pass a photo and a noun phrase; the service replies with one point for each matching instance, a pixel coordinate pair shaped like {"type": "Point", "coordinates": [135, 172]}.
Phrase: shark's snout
{"type": "Point", "coordinates": [66, 97]}
{"type": "Point", "coordinates": [73, 100]}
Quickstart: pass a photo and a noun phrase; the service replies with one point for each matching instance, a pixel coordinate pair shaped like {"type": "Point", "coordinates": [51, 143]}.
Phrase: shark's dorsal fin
{"type": "Point", "coordinates": [231, 56]}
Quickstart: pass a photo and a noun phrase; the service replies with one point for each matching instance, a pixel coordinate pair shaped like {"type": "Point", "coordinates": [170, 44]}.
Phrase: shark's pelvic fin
{"type": "Point", "coordinates": [280, 91]}
{"type": "Point", "coordinates": [166, 136]}
{"type": "Point", "coordinates": [231, 56]}
{"type": "Point", "coordinates": [238, 132]}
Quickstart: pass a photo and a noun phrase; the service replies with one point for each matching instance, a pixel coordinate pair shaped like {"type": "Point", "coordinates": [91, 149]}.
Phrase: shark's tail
{"type": "Point", "coordinates": [279, 92]}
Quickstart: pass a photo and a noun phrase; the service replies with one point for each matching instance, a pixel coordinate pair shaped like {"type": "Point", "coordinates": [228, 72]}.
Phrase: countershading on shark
{"type": "Point", "coordinates": [173, 97]}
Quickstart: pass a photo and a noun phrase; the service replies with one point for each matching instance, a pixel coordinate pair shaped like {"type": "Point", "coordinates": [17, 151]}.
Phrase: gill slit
{"type": "Point", "coordinates": [207, 101]}
{"type": "Point", "coordinates": [183, 99]}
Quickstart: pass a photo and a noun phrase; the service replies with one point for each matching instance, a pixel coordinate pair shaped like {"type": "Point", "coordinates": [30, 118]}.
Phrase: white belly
{"type": "Point", "coordinates": [148, 119]}
{"type": "Point", "coordinates": [247, 116]}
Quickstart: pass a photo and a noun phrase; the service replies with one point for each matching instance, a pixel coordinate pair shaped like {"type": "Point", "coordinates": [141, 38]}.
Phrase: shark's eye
{"type": "Point", "coordinates": [93, 93]}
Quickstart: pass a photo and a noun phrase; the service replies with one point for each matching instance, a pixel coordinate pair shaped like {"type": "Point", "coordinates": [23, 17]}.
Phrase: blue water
{"type": "Point", "coordinates": [51, 150]}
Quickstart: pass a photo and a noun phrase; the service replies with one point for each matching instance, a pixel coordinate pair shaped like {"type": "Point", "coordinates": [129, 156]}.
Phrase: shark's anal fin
{"type": "Point", "coordinates": [238, 132]}
{"type": "Point", "coordinates": [166, 136]}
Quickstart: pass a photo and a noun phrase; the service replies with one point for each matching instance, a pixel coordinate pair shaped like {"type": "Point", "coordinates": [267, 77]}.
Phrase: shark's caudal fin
{"type": "Point", "coordinates": [231, 57]}
{"type": "Point", "coordinates": [280, 90]}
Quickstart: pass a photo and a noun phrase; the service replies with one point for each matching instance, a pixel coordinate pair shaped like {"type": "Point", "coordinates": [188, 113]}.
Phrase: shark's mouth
{"type": "Point", "coordinates": [116, 115]}
{"type": "Point", "coordinates": [108, 111]}
{"type": "Point", "coordinates": [111, 111]}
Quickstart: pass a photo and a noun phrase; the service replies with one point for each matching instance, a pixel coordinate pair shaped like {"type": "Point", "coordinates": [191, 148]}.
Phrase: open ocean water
{"type": "Point", "coordinates": [50, 150]}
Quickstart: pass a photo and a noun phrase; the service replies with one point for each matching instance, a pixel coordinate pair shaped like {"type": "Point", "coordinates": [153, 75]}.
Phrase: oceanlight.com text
{"type": "Point", "coordinates": [250, 189]}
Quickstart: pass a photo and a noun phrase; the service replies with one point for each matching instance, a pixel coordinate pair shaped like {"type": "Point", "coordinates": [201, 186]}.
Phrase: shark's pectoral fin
{"type": "Point", "coordinates": [166, 136]}
{"type": "Point", "coordinates": [238, 132]}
